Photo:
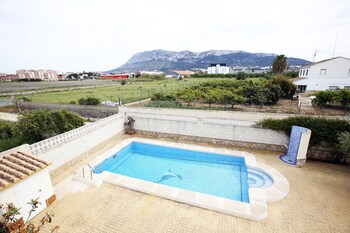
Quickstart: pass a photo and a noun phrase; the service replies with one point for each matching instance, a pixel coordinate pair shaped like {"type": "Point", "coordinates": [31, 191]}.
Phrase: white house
{"type": "Point", "coordinates": [23, 177]}
{"type": "Point", "coordinates": [328, 74]}
{"type": "Point", "coordinates": [218, 68]}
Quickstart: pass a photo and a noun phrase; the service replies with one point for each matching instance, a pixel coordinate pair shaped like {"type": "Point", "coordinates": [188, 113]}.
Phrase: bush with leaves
{"type": "Point", "coordinates": [241, 76]}
{"type": "Point", "coordinates": [6, 129]}
{"type": "Point", "coordinates": [89, 101]}
{"type": "Point", "coordinates": [10, 216]}
{"type": "Point", "coordinates": [37, 125]}
{"type": "Point", "coordinates": [164, 104]}
{"type": "Point", "coordinates": [344, 143]}
{"type": "Point", "coordinates": [161, 97]}
{"type": "Point", "coordinates": [323, 98]}
{"type": "Point", "coordinates": [324, 130]}
{"type": "Point", "coordinates": [287, 86]}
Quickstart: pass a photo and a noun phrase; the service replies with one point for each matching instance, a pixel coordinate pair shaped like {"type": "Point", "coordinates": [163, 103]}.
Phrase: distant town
{"type": "Point", "coordinates": [53, 75]}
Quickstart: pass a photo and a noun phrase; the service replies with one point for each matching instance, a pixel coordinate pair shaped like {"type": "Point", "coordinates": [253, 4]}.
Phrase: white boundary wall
{"type": "Point", "coordinates": [67, 146]}
{"type": "Point", "coordinates": [217, 125]}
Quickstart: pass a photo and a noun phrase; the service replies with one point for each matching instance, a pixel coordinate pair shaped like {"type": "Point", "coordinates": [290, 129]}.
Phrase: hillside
{"type": "Point", "coordinates": [184, 60]}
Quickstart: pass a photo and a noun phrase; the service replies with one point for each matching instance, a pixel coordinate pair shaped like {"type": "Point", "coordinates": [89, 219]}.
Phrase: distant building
{"type": "Point", "coordinates": [218, 68]}
{"type": "Point", "coordinates": [44, 75]}
{"type": "Point", "coordinates": [8, 77]}
{"type": "Point", "coordinates": [178, 73]}
{"type": "Point", "coordinates": [114, 76]}
{"type": "Point", "coordinates": [327, 74]}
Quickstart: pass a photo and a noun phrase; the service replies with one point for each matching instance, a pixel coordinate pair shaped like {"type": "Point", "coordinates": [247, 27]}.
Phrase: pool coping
{"type": "Point", "coordinates": [255, 210]}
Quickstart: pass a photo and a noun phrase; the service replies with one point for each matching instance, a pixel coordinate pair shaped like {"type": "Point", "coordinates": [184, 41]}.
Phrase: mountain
{"type": "Point", "coordinates": [185, 60]}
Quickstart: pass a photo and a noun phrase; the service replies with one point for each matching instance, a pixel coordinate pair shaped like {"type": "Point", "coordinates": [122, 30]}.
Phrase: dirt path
{"type": "Point", "coordinates": [8, 116]}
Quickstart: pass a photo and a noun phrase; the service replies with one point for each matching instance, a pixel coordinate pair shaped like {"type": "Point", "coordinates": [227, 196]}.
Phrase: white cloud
{"type": "Point", "coordinates": [101, 35]}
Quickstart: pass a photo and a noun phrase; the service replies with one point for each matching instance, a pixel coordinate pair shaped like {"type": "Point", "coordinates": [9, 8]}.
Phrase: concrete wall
{"type": "Point", "coordinates": [71, 145]}
{"type": "Point", "coordinates": [216, 125]}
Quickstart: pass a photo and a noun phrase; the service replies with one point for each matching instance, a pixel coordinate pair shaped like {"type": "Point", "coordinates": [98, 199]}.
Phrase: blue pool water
{"type": "Point", "coordinates": [213, 174]}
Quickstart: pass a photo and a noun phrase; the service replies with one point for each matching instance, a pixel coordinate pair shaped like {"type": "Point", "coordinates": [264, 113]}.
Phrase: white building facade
{"type": "Point", "coordinates": [219, 68]}
{"type": "Point", "coordinates": [44, 75]}
{"type": "Point", "coordinates": [330, 74]}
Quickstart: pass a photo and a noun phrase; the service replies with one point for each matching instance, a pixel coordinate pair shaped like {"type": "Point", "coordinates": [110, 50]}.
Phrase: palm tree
{"type": "Point", "coordinates": [279, 65]}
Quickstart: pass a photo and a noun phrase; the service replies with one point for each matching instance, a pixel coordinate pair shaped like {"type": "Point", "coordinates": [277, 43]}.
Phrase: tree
{"type": "Point", "coordinates": [279, 65]}
{"type": "Point", "coordinates": [211, 96]}
{"type": "Point", "coordinates": [273, 93]}
{"type": "Point", "coordinates": [232, 98]}
{"type": "Point", "coordinates": [241, 76]}
{"type": "Point", "coordinates": [343, 96]}
{"type": "Point", "coordinates": [37, 125]}
{"type": "Point", "coordinates": [188, 95]}
{"type": "Point", "coordinates": [287, 86]}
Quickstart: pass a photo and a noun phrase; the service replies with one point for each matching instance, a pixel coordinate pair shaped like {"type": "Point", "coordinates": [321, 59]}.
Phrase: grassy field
{"type": "Point", "coordinates": [134, 91]}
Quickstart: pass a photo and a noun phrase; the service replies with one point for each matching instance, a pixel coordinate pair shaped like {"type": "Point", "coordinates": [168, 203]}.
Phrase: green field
{"type": "Point", "coordinates": [133, 91]}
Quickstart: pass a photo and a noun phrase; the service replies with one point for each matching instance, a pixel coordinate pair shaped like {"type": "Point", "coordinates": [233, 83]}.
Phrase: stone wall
{"type": "Point", "coordinates": [326, 155]}
{"type": "Point", "coordinates": [88, 111]}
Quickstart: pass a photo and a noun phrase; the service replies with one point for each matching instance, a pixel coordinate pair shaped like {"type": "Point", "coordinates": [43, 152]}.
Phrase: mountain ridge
{"type": "Point", "coordinates": [164, 60]}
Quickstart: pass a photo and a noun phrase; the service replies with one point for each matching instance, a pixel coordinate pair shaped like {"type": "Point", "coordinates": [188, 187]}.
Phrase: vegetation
{"type": "Point", "coordinates": [89, 101]}
{"type": "Point", "coordinates": [232, 92]}
{"type": "Point", "coordinates": [241, 76]}
{"type": "Point", "coordinates": [152, 76]}
{"type": "Point", "coordinates": [40, 124]}
{"type": "Point", "coordinates": [164, 104]}
{"type": "Point", "coordinates": [136, 89]}
{"type": "Point", "coordinates": [10, 216]}
{"type": "Point", "coordinates": [344, 143]}
{"type": "Point", "coordinates": [7, 138]}
{"type": "Point", "coordinates": [279, 65]}
{"type": "Point", "coordinates": [325, 98]}
{"type": "Point", "coordinates": [287, 86]}
{"type": "Point", "coordinates": [332, 133]}
{"type": "Point", "coordinates": [163, 97]}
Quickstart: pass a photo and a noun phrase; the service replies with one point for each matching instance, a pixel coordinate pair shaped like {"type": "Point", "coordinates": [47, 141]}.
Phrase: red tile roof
{"type": "Point", "coordinates": [17, 166]}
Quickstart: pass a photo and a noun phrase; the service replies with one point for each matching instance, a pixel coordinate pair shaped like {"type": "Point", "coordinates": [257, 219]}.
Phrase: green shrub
{"type": "Point", "coordinates": [40, 124]}
{"type": "Point", "coordinates": [160, 96]}
{"type": "Point", "coordinates": [287, 86]}
{"type": "Point", "coordinates": [6, 129]}
{"type": "Point", "coordinates": [241, 76]}
{"type": "Point", "coordinates": [164, 104]}
{"type": "Point", "coordinates": [323, 98]}
{"type": "Point", "coordinates": [123, 82]}
{"type": "Point", "coordinates": [344, 143]}
{"type": "Point", "coordinates": [26, 99]}
{"type": "Point", "coordinates": [8, 143]}
{"type": "Point", "coordinates": [72, 102]}
{"type": "Point", "coordinates": [324, 130]}
{"type": "Point", "coordinates": [89, 101]}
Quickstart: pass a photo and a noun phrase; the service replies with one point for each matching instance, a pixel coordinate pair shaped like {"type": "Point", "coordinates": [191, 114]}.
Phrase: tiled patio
{"type": "Point", "coordinates": [318, 201]}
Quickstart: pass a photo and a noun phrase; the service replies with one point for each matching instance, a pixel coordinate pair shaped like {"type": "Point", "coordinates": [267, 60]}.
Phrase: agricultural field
{"type": "Point", "coordinates": [130, 92]}
{"type": "Point", "coordinates": [6, 87]}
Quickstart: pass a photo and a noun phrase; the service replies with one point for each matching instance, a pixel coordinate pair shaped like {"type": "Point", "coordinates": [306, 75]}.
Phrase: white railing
{"type": "Point", "coordinates": [47, 144]}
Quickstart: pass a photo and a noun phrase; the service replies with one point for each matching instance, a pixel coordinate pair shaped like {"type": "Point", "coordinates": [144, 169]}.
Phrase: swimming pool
{"type": "Point", "coordinates": [209, 173]}
{"type": "Point", "coordinates": [227, 181]}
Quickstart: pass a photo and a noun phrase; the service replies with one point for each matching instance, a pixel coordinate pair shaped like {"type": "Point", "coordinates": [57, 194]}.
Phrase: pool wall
{"type": "Point", "coordinates": [258, 197]}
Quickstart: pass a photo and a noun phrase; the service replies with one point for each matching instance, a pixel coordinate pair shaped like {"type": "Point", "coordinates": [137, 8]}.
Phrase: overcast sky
{"type": "Point", "coordinates": [76, 35]}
